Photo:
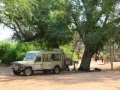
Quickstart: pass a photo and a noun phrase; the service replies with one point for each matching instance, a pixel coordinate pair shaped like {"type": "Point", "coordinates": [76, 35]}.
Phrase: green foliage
{"type": "Point", "coordinates": [95, 21]}
{"type": "Point", "coordinates": [4, 48]}
{"type": "Point", "coordinates": [96, 39]}
{"type": "Point", "coordinates": [48, 22]}
{"type": "Point", "coordinates": [14, 8]}
{"type": "Point", "coordinates": [10, 52]}
{"type": "Point", "coordinates": [66, 49]}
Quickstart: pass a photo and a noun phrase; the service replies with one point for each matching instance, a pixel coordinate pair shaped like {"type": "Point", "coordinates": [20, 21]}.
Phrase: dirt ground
{"type": "Point", "coordinates": [103, 80]}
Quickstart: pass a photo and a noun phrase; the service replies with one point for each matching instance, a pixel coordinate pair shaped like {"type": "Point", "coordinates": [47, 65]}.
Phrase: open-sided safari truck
{"type": "Point", "coordinates": [42, 60]}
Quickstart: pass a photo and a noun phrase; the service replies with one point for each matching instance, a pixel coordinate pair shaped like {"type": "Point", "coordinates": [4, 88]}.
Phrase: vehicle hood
{"type": "Point", "coordinates": [24, 62]}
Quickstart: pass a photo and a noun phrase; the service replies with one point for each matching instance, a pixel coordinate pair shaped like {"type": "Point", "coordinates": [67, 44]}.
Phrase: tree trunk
{"type": "Point", "coordinates": [86, 59]}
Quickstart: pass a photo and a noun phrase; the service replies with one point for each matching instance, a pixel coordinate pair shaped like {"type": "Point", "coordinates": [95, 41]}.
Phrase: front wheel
{"type": "Point", "coordinates": [56, 70]}
{"type": "Point", "coordinates": [16, 72]}
{"type": "Point", "coordinates": [28, 72]}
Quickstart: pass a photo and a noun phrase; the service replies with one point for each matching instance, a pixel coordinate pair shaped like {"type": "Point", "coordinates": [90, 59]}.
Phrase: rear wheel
{"type": "Point", "coordinates": [16, 72]}
{"type": "Point", "coordinates": [28, 72]}
{"type": "Point", "coordinates": [56, 70]}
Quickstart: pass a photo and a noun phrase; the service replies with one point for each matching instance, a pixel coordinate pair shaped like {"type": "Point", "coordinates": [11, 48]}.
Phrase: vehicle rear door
{"type": "Point", "coordinates": [46, 61]}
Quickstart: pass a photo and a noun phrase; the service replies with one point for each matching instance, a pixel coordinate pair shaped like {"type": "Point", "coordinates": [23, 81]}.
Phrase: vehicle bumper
{"type": "Point", "coordinates": [17, 68]}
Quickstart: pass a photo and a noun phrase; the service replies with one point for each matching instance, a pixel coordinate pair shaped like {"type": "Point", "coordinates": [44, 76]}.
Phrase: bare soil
{"type": "Point", "coordinates": [106, 79]}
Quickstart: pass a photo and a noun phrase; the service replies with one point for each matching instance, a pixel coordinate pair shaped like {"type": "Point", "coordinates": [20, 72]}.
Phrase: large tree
{"type": "Point", "coordinates": [48, 22]}
{"type": "Point", "coordinates": [93, 19]}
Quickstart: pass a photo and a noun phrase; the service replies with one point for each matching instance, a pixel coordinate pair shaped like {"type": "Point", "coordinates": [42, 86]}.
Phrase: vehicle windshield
{"type": "Point", "coordinates": [30, 56]}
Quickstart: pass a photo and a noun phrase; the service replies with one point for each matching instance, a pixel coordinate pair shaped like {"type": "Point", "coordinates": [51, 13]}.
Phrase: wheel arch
{"type": "Point", "coordinates": [29, 67]}
{"type": "Point", "coordinates": [57, 66]}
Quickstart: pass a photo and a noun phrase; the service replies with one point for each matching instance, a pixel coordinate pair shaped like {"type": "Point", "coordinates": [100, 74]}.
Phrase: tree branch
{"type": "Point", "coordinates": [114, 21]}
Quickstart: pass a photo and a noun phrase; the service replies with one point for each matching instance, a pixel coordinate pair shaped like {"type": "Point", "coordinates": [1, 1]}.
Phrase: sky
{"type": "Point", "coordinates": [5, 32]}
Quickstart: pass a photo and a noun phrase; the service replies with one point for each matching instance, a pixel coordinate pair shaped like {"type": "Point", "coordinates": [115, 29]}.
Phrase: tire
{"type": "Point", "coordinates": [28, 72]}
{"type": "Point", "coordinates": [56, 70]}
{"type": "Point", "coordinates": [68, 61]}
{"type": "Point", "coordinates": [16, 72]}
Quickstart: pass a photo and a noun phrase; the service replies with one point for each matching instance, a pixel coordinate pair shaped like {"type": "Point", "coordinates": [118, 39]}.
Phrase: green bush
{"type": "Point", "coordinates": [4, 49]}
{"type": "Point", "coordinates": [10, 52]}
{"type": "Point", "coordinates": [10, 56]}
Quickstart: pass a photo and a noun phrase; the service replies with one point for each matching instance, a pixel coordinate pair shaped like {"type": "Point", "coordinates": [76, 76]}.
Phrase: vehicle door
{"type": "Point", "coordinates": [56, 60]}
{"type": "Point", "coordinates": [38, 63]}
{"type": "Point", "coordinates": [46, 61]}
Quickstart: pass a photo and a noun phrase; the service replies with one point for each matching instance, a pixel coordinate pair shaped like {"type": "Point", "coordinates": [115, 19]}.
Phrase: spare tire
{"type": "Point", "coordinates": [68, 61]}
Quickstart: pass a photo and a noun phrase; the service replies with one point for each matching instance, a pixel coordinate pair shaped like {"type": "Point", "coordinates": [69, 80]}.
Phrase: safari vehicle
{"type": "Point", "coordinates": [40, 61]}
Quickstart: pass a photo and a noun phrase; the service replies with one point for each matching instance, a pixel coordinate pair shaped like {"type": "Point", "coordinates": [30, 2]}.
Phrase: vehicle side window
{"type": "Point", "coordinates": [56, 57]}
{"type": "Point", "coordinates": [38, 59]}
{"type": "Point", "coordinates": [46, 58]}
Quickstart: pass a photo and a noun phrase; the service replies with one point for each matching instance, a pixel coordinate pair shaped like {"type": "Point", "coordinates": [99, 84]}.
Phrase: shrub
{"type": "Point", "coordinates": [4, 49]}
{"type": "Point", "coordinates": [10, 52]}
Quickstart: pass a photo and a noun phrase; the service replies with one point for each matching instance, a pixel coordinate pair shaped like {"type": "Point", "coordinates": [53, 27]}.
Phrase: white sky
{"type": "Point", "coordinates": [5, 32]}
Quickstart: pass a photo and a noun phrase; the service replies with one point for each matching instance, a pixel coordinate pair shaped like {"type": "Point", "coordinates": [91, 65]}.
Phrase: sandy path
{"type": "Point", "coordinates": [103, 80]}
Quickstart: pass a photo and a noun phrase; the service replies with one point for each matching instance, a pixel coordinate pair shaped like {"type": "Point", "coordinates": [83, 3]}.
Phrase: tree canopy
{"type": "Point", "coordinates": [96, 21]}
{"type": "Point", "coordinates": [43, 21]}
